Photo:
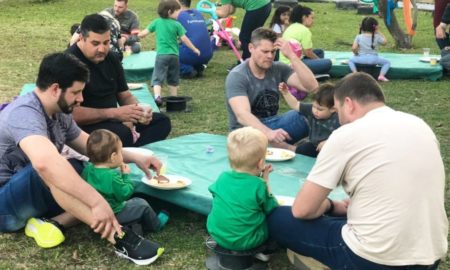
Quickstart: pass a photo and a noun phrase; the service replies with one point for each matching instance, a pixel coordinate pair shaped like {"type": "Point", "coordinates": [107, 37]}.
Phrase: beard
{"type": "Point", "coordinates": [63, 106]}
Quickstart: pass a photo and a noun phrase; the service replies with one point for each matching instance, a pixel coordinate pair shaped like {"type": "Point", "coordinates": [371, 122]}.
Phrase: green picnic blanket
{"type": "Point", "coordinates": [139, 67]}
{"type": "Point", "coordinates": [142, 94]}
{"type": "Point", "coordinates": [403, 66]}
{"type": "Point", "coordinates": [201, 157]}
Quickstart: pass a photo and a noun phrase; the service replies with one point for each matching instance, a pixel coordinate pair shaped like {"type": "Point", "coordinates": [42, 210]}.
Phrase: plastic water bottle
{"type": "Point", "coordinates": [296, 47]}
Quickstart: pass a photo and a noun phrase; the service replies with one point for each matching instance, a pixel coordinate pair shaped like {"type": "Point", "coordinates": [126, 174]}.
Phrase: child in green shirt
{"type": "Point", "coordinates": [107, 173]}
{"type": "Point", "coordinates": [242, 197]}
{"type": "Point", "coordinates": [167, 64]}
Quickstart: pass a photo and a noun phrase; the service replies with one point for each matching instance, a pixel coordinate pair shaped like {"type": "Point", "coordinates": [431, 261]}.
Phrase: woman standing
{"type": "Point", "coordinates": [256, 14]}
{"type": "Point", "coordinates": [302, 19]}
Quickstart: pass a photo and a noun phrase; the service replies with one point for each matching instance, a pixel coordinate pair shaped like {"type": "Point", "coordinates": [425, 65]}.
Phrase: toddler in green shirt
{"type": "Point", "coordinates": [242, 197]}
{"type": "Point", "coordinates": [107, 173]}
{"type": "Point", "coordinates": [167, 64]}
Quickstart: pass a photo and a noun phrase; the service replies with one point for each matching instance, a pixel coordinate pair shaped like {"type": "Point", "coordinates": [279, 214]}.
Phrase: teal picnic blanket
{"type": "Point", "coordinates": [139, 67]}
{"type": "Point", "coordinates": [403, 66]}
{"type": "Point", "coordinates": [201, 157]}
{"type": "Point", "coordinates": [142, 94]}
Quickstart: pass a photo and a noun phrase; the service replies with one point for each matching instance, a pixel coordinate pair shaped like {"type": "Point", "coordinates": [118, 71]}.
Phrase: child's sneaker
{"type": "Point", "coordinates": [163, 217]}
{"type": "Point", "coordinates": [46, 232]}
{"type": "Point", "coordinates": [381, 78]}
{"type": "Point", "coordinates": [135, 248]}
{"type": "Point", "coordinates": [262, 257]}
{"type": "Point", "coordinates": [158, 101]}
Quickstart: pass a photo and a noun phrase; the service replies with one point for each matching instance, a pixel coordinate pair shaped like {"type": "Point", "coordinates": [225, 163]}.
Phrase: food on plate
{"type": "Point", "coordinates": [168, 184]}
{"type": "Point", "coordinates": [269, 152]}
{"type": "Point", "coordinates": [286, 154]}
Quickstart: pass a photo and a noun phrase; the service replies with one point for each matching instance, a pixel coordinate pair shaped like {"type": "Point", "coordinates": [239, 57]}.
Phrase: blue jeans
{"type": "Point", "coordinates": [25, 195]}
{"type": "Point", "coordinates": [370, 59]}
{"type": "Point", "coordinates": [321, 239]}
{"type": "Point", "coordinates": [318, 66]}
{"type": "Point", "coordinates": [292, 122]}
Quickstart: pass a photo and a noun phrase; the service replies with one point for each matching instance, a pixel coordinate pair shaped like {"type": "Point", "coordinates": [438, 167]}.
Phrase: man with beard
{"type": "Point", "coordinates": [129, 22]}
{"type": "Point", "coordinates": [107, 102]}
{"type": "Point", "coordinates": [252, 90]}
{"type": "Point", "coordinates": [39, 189]}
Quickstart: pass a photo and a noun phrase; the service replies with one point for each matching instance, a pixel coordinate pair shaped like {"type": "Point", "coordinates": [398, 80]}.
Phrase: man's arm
{"type": "Point", "coordinates": [61, 178]}
{"type": "Point", "coordinates": [127, 112]}
{"type": "Point", "coordinates": [302, 78]}
{"type": "Point", "coordinates": [241, 108]}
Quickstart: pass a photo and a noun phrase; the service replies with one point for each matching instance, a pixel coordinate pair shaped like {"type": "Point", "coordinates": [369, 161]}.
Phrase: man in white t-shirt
{"type": "Point", "coordinates": [389, 164]}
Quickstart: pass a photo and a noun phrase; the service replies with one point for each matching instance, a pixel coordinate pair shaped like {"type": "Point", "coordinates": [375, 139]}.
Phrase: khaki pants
{"type": "Point", "coordinates": [304, 263]}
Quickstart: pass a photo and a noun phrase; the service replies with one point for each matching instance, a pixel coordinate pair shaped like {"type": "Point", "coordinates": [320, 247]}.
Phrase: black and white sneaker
{"type": "Point", "coordinates": [135, 248]}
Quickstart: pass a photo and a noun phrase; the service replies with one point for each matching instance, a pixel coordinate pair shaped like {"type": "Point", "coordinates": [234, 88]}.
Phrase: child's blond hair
{"type": "Point", "coordinates": [246, 147]}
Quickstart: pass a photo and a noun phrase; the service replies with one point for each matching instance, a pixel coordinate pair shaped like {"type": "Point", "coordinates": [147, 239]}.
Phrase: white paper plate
{"type": "Point", "coordinates": [285, 200]}
{"type": "Point", "coordinates": [175, 182]}
{"type": "Point", "coordinates": [139, 150]}
{"type": "Point", "coordinates": [427, 59]}
{"type": "Point", "coordinates": [134, 86]}
{"type": "Point", "coordinates": [278, 154]}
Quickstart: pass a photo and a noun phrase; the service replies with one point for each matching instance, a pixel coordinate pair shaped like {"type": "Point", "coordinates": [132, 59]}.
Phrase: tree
{"type": "Point", "coordinates": [402, 40]}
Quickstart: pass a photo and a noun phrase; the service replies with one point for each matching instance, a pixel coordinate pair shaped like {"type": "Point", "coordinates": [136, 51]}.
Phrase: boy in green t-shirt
{"type": "Point", "coordinates": [167, 64]}
{"type": "Point", "coordinates": [107, 173]}
{"type": "Point", "coordinates": [242, 197]}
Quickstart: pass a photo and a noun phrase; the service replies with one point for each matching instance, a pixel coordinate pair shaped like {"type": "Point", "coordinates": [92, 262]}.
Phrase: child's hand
{"type": "Point", "coordinates": [125, 169]}
{"type": "Point", "coordinates": [283, 88]}
{"type": "Point", "coordinates": [265, 173]}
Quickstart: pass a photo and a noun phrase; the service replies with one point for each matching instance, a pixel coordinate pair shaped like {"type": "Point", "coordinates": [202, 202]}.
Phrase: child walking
{"type": "Point", "coordinates": [167, 64]}
{"type": "Point", "coordinates": [242, 197]}
{"type": "Point", "coordinates": [321, 116]}
{"type": "Point", "coordinates": [279, 22]}
{"type": "Point", "coordinates": [107, 173]}
{"type": "Point", "coordinates": [365, 48]}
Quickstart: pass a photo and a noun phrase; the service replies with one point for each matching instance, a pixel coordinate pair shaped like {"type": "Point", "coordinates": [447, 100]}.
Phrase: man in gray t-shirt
{"type": "Point", "coordinates": [252, 95]}
{"type": "Point", "coordinates": [129, 21]}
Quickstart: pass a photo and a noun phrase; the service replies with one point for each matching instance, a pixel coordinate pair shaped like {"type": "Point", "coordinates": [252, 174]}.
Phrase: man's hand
{"type": "Point", "coordinates": [285, 48]}
{"type": "Point", "coordinates": [320, 145]}
{"type": "Point", "coordinates": [148, 162]}
{"type": "Point", "coordinates": [129, 113]}
{"type": "Point", "coordinates": [340, 207]}
{"type": "Point", "coordinates": [105, 222]}
{"type": "Point", "coordinates": [278, 136]}
{"type": "Point", "coordinates": [440, 32]}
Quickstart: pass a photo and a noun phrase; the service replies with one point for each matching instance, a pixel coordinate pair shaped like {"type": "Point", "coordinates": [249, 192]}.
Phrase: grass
{"type": "Point", "coordinates": [33, 28]}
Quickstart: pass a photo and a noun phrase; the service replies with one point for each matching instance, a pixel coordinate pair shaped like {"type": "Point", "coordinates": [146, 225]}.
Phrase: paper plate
{"type": "Point", "coordinates": [175, 182]}
{"type": "Point", "coordinates": [427, 59]}
{"type": "Point", "coordinates": [285, 200]}
{"type": "Point", "coordinates": [139, 150]}
{"type": "Point", "coordinates": [278, 154]}
{"type": "Point", "coordinates": [134, 86]}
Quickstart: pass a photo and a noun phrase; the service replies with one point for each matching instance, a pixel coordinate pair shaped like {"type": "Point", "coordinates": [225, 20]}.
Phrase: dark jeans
{"type": "Point", "coordinates": [252, 20]}
{"type": "Point", "coordinates": [307, 149]}
{"type": "Point", "coordinates": [321, 239]}
{"type": "Point", "coordinates": [137, 210]}
{"type": "Point", "coordinates": [158, 129]}
{"type": "Point", "coordinates": [26, 195]}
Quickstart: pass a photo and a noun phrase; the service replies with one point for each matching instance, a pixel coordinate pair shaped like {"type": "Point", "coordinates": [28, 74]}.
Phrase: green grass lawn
{"type": "Point", "coordinates": [31, 28]}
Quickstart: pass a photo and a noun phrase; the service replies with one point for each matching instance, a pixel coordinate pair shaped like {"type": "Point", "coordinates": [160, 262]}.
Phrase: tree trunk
{"type": "Point", "coordinates": [402, 40]}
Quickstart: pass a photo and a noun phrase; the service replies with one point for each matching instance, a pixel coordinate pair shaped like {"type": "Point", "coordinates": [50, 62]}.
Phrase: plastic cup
{"type": "Point", "coordinates": [433, 61]}
{"type": "Point", "coordinates": [147, 111]}
{"type": "Point", "coordinates": [426, 52]}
